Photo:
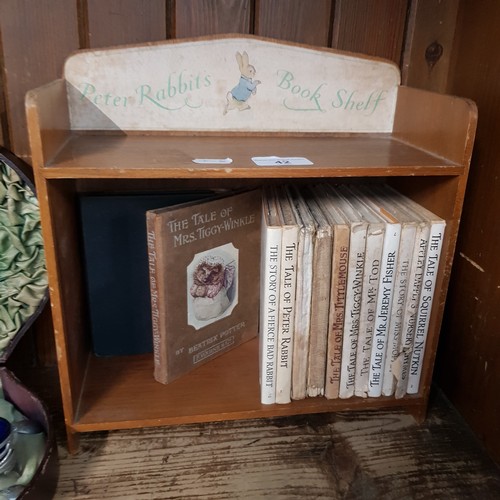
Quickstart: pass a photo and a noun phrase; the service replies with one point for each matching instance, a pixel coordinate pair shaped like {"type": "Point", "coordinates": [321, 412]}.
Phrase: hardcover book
{"type": "Point", "coordinates": [388, 269]}
{"type": "Point", "coordinates": [401, 365]}
{"type": "Point", "coordinates": [385, 202]}
{"type": "Point", "coordinates": [116, 267]}
{"type": "Point", "coordinates": [375, 238]}
{"type": "Point", "coordinates": [340, 255]}
{"type": "Point", "coordinates": [320, 299]}
{"type": "Point", "coordinates": [269, 297]}
{"type": "Point", "coordinates": [204, 267]}
{"type": "Point", "coordinates": [286, 320]}
{"type": "Point", "coordinates": [434, 247]}
{"type": "Point", "coordinates": [420, 296]}
{"type": "Point", "coordinates": [354, 288]}
{"type": "Point", "coordinates": [303, 293]}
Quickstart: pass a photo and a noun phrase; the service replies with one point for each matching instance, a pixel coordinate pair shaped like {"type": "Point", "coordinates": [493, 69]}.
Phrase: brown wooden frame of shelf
{"type": "Point", "coordinates": [427, 157]}
{"type": "Point", "coordinates": [168, 156]}
{"type": "Point", "coordinates": [219, 396]}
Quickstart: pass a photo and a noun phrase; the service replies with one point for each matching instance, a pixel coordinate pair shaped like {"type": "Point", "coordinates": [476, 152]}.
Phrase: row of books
{"type": "Point", "coordinates": [348, 275]}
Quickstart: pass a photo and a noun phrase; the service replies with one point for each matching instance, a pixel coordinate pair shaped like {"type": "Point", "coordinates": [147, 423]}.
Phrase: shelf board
{"type": "Point", "coordinates": [170, 156]}
{"type": "Point", "coordinates": [121, 393]}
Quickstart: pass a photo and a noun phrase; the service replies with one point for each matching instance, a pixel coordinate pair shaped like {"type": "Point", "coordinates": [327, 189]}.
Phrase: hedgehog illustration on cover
{"type": "Point", "coordinates": [212, 281]}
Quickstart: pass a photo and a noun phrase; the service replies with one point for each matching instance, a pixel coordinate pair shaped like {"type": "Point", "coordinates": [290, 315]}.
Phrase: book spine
{"type": "Point", "coordinates": [373, 255]}
{"type": "Point", "coordinates": [319, 314]}
{"type": "Point", "coordinates": [269, 307]}
{"type": "Point", "coordinates": [157, 315]}
{"type": "Point", "coordinates": [286, 314]}
{"type": "Point", "coordinates": [406, 248]}
{"type": "Point", "coordinates": [302, 314]}
{"type": "Point", "coordinates": [352, 311]}
{"type": "Point", "coordinates": [425, 305]}
{"type": "Point", "coordinates": [401, 365]}
{"type": "Point", "coordinates": [384, 306]}
{"type": "Point", "coordinates": [340, 261]}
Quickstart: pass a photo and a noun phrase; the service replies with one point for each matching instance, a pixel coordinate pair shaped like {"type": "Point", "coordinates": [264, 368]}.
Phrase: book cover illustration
{"type": "Point", "coordinates": [204, 280]}
{"type": "Point", "coordinates": [212, 285]}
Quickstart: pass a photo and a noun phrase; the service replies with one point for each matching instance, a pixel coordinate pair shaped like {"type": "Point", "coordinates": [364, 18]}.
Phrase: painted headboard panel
{"type": "Point", "coordinates": [230, 83]}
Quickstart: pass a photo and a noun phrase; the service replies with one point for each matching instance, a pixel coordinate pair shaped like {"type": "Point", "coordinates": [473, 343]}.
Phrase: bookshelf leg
{"type": "Point", "coordinates": [419, 413]}
{"type": "Point", "coordinates": [73, 440]}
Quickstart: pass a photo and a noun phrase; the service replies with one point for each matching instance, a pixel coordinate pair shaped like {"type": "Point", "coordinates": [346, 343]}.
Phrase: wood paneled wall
{"type": "Point", "coordinates": [37, 35]}
{"type": "Point", "coordinates": [469, 357]}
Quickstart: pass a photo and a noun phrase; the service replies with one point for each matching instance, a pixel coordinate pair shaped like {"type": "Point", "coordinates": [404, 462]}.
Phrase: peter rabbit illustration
{"type": "Point", "coordinates": [247, 86]}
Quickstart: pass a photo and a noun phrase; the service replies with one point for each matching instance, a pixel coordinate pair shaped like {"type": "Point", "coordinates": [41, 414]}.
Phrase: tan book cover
{"type": "Point", "coordinates": [338, 288]}
{"type": "Point", "coordinates": [204, 278]}
{"type": "Point", "coordinates": [320, 298]}
{"type": "Point", "coordinates": [303, 293]}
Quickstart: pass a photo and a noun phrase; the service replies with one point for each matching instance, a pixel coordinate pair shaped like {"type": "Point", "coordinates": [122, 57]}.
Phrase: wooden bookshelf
{"type": "Point", "coordinates": [133, 156]}
{"type": "Point", "coordinates": [426, 155]}
{"type": "Point", "coordinates": [226, 389]}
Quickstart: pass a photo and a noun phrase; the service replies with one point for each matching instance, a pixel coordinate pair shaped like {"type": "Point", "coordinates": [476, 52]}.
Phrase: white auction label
{"type": "Point", "coordinates": [271, 161]}
{"type": "Point", "coordinates": [216, 161]}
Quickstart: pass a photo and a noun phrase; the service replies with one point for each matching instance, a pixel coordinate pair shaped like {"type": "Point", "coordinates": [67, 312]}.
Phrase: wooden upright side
{"type": "Point", "coordinates": [48, 121]}
{"type": "Point", "coordinates": [48, 127]}
{"type": "Point", "coordinates": [444, 126]}
{"type": "Point", "coordinates": [440, 124]}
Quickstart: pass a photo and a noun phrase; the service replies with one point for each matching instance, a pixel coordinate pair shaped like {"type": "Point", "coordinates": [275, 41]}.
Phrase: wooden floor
{"type": "Point", "coordinates": [366, 455]}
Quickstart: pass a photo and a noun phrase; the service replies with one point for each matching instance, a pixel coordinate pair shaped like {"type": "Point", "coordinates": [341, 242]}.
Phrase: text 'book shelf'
{"type": "Point", "coordinates": [132, 119]}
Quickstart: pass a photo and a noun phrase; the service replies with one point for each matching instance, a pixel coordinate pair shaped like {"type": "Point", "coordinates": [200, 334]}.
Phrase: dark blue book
{"type": "Point", "coordinates": [116, 268]}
